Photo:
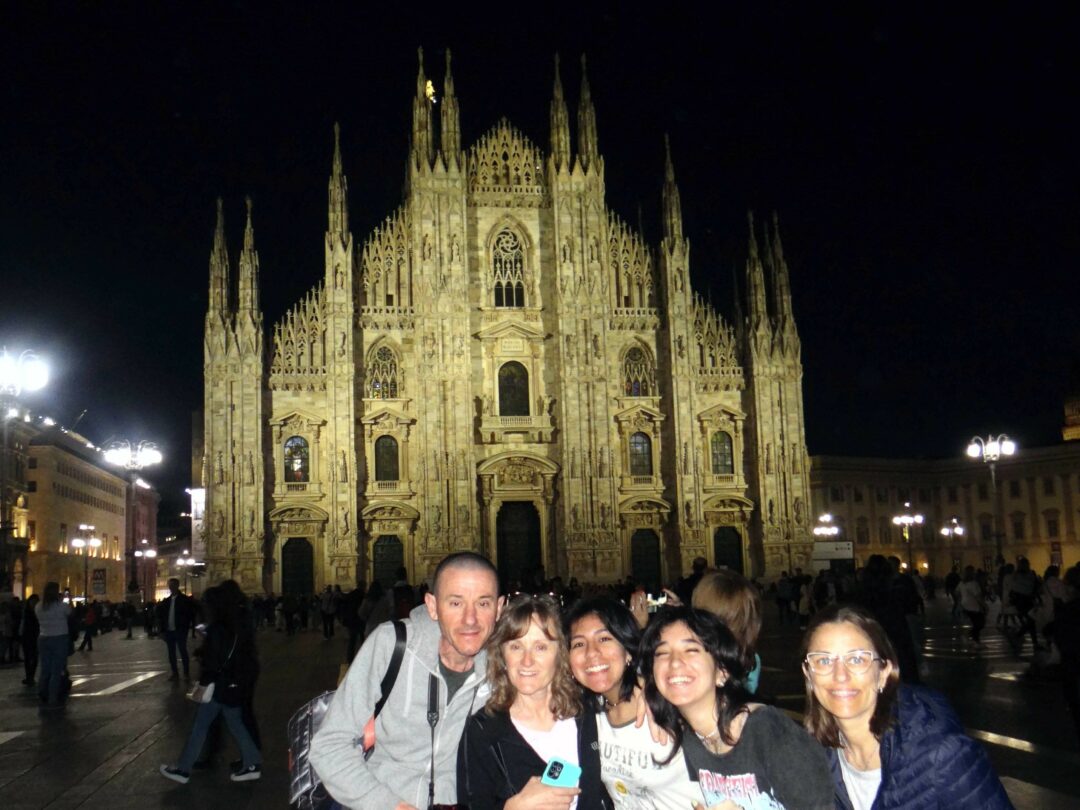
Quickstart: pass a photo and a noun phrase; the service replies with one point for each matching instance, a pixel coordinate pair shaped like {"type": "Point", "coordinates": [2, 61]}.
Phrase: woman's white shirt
{"type": "Point", "coordinates": [631, 770]}
{"type": "Point", "coordinates": [862, 786]}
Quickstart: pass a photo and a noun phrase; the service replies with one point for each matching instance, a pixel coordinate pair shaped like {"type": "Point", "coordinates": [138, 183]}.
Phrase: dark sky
{"type": "Point", "coordinates": [923, 165]}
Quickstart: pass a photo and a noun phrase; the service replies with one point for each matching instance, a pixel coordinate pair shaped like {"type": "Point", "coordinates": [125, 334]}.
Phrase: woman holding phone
{"type": "Point", "coordinates": [528, 735]}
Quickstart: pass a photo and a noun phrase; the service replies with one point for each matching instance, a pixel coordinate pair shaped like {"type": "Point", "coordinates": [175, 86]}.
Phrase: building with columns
{"type": "Point", "coordinates": [504, 365]}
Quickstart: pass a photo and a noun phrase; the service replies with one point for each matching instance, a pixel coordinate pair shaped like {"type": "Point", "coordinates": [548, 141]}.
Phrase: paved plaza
{"type": "Point", "coordinates": [125, 718]}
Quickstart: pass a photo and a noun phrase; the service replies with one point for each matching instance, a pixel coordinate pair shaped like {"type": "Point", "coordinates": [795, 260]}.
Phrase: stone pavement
{"type": "Point", "coordinates": [125, 718]}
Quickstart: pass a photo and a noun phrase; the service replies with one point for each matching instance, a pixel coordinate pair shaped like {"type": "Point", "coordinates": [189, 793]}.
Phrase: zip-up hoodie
{"type": "Point", "coordinates": [399, 769]}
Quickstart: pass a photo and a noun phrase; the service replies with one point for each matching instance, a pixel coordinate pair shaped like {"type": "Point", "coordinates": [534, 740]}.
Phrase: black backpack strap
{"type": "Point", "coordinates": [387, 684]}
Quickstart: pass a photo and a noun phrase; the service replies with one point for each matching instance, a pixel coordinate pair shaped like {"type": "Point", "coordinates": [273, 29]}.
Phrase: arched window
{"type": "Point", "coordinates": [508, 270]}
{"type": "Point", "coordinates": [638, 374]}
{"type": "Point", "coordinates": [386, 459]}
{"type": "Point", "coordinates": [297, 459]}
{"type": "Point", "coordinates": [513, 390]}
{"type": "Point", "coordinates": [383, 374]}
{"type": "Point", "coordinates": [723, 461]}
{"type": "Point", "coordinates": [640, 454]}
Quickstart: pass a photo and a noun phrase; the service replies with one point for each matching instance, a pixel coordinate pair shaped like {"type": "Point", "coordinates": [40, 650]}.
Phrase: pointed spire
{"type": "Point", "coordinates": [423, 134]}
{"type": "Point", "coordinates": [588, 151]}
{"type": "Point", "coordinates": [781, 280]}
{"type": "Point", "coordinates": [560, 123]}
{"type": "Point", "coordinates": [248, 283]}
{"type": "Point", "coordinates": [219, 265]}
{"type": "Point", "coordinates": [338, 194]}
{"type": "Point", "coordinates": [673, 229]}
{"type": "Point", "coordinates": [755, 282]}
{"type": "Point", "coordinates": [451, 121]}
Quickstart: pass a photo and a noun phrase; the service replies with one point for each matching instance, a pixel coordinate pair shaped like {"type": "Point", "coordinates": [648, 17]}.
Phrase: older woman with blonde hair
{"type": "Point", "coordinates": [736, 601]}
{"type": "Point", "coordinates": [532, 716]}
{"type": "Point", "coordinates": [889, 744]}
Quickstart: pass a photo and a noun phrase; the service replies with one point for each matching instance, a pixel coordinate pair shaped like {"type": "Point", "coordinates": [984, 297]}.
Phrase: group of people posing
{"type": "Point", "coordinates": [521, 705]}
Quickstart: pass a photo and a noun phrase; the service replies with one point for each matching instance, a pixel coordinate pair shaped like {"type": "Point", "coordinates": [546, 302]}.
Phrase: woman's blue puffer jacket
{"type": "Point", "coordinates": [927, 761]}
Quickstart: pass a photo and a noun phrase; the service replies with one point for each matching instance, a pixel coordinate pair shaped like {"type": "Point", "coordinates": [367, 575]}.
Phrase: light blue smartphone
{"type": "Point", "coordinates": [560, 773]}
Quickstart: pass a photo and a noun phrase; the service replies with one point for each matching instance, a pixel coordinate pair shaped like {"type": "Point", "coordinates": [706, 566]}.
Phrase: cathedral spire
{"type": "Point", "coordinates": [219, 266]}
{"type": "Point", "coordinates": [673, 229]}
{"type": "Point", "coordinates": [451, 121]}
{"type": "Point", "coordinates": [248, 284]}
{"type": "Point", "coordinates": [588, 151]}
{"type": "Point", "coordinates": [560, 123]}
{"type": "Point", "coordinates": [785, 318]}
{"type": "Point", "coordinates": [755, 283]}
{"type": "Point", "coordinates": [423, 134]}
{"type": "Point", "coordinates": [338, 226]}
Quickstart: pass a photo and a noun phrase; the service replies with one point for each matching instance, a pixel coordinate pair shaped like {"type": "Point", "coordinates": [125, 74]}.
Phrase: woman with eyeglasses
{"type": "Point", "coordinates": [741, 754]}
{"type": "Point", "coordinates": [531, 718]}
{"type": "Point", "coordinates": [637, 772]}
{"type": "Point", "coordinates": [889, 744]}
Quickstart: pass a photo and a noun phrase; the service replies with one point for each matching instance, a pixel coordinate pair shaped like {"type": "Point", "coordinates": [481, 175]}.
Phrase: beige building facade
{"type": "Point", "coordinates": [1031, 508]}
{"type": "Point", "coordinates": [67, 489]}
{"type": "Point", "coordinates": [502, 365]}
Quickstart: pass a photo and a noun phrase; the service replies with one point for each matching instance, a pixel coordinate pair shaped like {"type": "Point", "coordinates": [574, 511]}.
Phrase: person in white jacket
{"type": "Point", "coordinates": [445, 638]}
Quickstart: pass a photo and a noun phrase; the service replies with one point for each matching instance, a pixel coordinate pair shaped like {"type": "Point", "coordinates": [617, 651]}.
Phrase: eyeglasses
{"type": "Point", "coordinates": [857, 662]}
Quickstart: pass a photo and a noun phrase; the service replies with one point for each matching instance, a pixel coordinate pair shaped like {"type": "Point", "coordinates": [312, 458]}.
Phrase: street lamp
{"type": "Point", "coordinates": [990, 450]}
{"type": "Point", "coordinates": [142, 555]}
{"type": "Point", "coordinates": [905, 520]}
{"type": "Point", "coordinates": [826, 527]}
{"type": "Point", "coordinates": [185, 562]}
{"type": "Point", "coordinates": [952, 529]}
{"type": "Point", "coordinates": [84, 544]}
{"type": "Point", "coordinates": [133, 458]}
{"type": "Point", "coordinates": [23, 371]}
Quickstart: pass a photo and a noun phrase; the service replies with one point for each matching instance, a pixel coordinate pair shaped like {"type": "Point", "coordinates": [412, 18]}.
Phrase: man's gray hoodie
{"type": "Point", "coordinates": [398, 771]}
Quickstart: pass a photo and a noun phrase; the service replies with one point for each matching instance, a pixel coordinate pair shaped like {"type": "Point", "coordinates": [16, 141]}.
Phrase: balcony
{"type": "Point", "coordinates": [639, 482]}
{"type": "Point", "coordinates": [297, 489]}
{"type": "Point", "coordinates": [720, 480]}
{"type": "Point", "coordinates": [498, 429]}
{"type": "Point", "coordinates": [398, 489]}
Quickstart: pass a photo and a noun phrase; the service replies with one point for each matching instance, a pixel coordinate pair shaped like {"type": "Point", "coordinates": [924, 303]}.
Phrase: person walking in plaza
{"type": "Point", "coordinates": [445, 642]}
{"type": "Point", "coordinates": [89, 627]}
{"type": "Point", "coordinates": [889, 744]}
{"type": "Point", "coordinates": [176, 616]}
{"type": "Point", "coordinates": [533, 715]}
{"type": "Point", "coordinates": [1023, 589]}
{"type": "Point", "coordinates": [740, 753]}
{"type": "Point", "coordinates": [326, 610]}
{"type": "Point", "coordinates": [973, 603]}
{"type": "Point", "coordinates": [29, 630]}
{"type": "Point", "coordinates": [228, 663]}
{"type": "Point", "coordinates": [54, 641]}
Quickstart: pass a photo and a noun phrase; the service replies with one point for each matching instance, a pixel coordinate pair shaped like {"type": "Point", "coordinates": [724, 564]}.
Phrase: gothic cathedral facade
{"type": "Point", "coordinates": [502, 365]}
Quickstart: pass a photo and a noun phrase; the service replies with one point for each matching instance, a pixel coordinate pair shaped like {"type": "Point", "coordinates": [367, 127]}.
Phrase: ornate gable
{"type": "Point", "coordinates": [716, 359]}
{"type": "Point", "coordinates": [299, 354]}
{"type": "Point", "coordinates": [506, 169]}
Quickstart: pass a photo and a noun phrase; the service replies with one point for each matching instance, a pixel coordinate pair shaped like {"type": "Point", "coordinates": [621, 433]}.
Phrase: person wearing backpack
{"type": "Point", "coordinates": [443, 659]}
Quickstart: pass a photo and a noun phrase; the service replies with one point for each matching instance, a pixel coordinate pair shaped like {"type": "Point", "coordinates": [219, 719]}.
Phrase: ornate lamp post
{"type": "Point", "coordinates": [20, 372]}
{"type": "Point", "coordinates": [952, 529]}
{"type": "Point", "coordinates": [905, 520]}
{"type": "Point", "coordinates": [142, 555]}
{"type": "Point", "coordinates": [990, 450]}
{"type": "Point", "coordinates": [825, 527]}
{"type": "Point", "coordinates": [133, 458]}
{"type": "Point", "coordinates": [85, 544]}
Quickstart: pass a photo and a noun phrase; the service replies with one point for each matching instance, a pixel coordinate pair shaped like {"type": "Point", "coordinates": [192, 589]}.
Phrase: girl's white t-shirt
{"type": "Point", "coordinates": [631, 770]}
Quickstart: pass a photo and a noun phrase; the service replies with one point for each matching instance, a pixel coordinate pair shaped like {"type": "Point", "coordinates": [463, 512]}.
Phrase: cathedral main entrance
{"type": "Point", "coordinates": [645, 560]}
{"type": "Point", "coordinates": [388, 555]}
{"type": "Point", "coordinates": [518, 548]}
{"type": "Point", "coordinates": [727, 549]}
{"type": "Point", "coordinates": [297, 567]}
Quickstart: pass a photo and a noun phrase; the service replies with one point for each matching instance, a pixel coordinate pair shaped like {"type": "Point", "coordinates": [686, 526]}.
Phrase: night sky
{"type": "Point", "coordinates": [923, 166]}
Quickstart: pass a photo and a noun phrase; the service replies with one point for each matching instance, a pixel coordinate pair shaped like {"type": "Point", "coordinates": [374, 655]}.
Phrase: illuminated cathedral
{"type": "Point", "coordinates": [503, 365]}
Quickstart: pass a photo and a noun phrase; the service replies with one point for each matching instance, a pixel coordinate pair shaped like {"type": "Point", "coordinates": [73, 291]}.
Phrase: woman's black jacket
{"type": "Point", "coordinates": [228, 661]}
{"type": "Point", "coordinates": [495, 762]}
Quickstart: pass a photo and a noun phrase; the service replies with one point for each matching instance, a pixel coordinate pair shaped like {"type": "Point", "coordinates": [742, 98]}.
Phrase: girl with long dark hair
{"type": "Point", "coordinates": [741, 754]}
{"type": "Point", "coordinates": [638, 772]}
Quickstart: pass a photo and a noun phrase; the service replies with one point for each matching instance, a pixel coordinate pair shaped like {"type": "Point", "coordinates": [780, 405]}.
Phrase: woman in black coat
{"type": "Point", "coordinates": [229, 664]}
{"type": "Point", "coordinates": [533, 715]}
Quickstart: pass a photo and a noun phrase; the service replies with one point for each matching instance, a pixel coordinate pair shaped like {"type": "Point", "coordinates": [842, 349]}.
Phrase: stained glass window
{"type": "Point", "coordinates": [640, 454]}
{"type": "Point", "coordinates": [297, 459]}
{"type": "Point", "coordinates": [386, 459]}
{"type": "Point", "coordinates": [723, 462]}
{"type": "Point", "coordinates": [513, 390]}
